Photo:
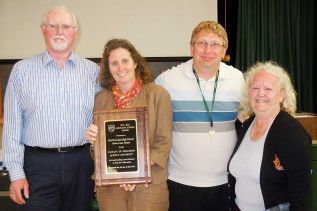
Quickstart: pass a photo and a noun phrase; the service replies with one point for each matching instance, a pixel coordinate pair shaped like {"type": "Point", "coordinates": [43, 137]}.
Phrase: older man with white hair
{"type": "Point", "coordinates": [48, 105]}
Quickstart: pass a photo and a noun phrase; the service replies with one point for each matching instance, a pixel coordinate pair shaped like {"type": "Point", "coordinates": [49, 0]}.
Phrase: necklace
{"type": "Point", "coordinates": [211, 130]}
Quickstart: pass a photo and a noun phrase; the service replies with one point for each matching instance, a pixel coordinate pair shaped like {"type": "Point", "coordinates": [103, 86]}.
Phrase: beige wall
{"type": "Point", "coordinates": [158, 28]}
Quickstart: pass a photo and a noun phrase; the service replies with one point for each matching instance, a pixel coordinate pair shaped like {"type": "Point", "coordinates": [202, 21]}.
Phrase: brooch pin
{"type": "Point", "coordinates": [277, 163]}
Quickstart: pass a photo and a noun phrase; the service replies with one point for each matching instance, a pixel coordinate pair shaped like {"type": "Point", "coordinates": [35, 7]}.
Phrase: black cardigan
{"type": "Point", "coordinates": [288, 141]}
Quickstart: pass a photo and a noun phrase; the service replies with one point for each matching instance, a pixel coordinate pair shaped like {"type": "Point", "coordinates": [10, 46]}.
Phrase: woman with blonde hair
{"type": "Point", "coordinates": [270, 165]}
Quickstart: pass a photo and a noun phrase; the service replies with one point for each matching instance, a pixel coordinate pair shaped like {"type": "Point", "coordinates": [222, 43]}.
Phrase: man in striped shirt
{"type": "Point", "coordinates": [205, 95]}
{"type": "Point", "coordinates": [48, 105]}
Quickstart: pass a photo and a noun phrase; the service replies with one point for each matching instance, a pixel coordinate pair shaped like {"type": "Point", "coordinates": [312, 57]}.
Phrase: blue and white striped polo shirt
{"type": "Point", "coordinates": [195, 158]}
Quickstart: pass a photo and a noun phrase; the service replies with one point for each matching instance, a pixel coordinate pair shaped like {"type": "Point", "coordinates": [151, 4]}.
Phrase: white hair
{"type": "Point", "coordinates": [64, 9]}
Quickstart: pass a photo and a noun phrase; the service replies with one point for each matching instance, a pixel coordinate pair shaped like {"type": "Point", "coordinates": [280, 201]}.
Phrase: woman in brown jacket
{"type": "Point", "coordinates": [127, 83]}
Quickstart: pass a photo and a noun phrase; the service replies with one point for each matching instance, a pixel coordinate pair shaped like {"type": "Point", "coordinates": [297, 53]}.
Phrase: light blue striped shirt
{"type": "Point", "coordinates": [46, 106]}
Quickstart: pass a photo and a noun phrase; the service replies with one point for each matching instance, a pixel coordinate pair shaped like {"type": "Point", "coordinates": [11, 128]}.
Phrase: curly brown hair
{"type": "Point", "coordinates": [142, 70]}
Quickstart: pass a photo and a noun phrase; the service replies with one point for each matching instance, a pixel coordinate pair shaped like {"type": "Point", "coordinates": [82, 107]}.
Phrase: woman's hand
{"type": "Point", "coordinates": [91, 133]}
{"type": "Point", "coordinates": [128, 187]}
{"type": "Point", "coordinates": [131, 187]}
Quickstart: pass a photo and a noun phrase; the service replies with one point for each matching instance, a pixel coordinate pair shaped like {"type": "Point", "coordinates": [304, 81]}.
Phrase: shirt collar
{"type": "Point", "coordinates": [47, 58]}
{"type": "Point", "coordinates": [188, 71]}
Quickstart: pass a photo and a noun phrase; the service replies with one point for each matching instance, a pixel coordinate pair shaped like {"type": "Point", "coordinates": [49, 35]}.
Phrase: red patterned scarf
{"type": "Point", "coordinates": [123, 100]}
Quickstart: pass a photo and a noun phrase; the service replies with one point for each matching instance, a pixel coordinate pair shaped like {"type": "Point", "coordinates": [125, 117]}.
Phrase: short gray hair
{"type": "Point", "coordinates": [61, 8]}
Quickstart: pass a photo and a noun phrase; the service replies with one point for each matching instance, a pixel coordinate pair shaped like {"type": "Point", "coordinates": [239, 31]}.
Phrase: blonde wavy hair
{"type": "Point", "coordinates": [284, 82]}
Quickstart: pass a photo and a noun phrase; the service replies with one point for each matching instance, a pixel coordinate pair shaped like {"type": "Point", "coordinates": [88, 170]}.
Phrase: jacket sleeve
{"type": "Point", "coordinates": [295, 157]}
{"type": "Point", "coordinates": [161, 144]}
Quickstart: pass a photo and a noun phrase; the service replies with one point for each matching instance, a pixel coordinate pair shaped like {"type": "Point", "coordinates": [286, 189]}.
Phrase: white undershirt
{"type": "Point", "coordinates": [245, 167]}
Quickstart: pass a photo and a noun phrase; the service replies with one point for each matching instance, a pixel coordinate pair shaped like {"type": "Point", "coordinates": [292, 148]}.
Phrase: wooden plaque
{"type": "Point", "coordinates": [122, 151]}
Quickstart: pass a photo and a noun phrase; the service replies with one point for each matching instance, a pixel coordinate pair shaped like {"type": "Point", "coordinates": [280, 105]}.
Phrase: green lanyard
{"type": "Point", "coordinates": [212, 102]}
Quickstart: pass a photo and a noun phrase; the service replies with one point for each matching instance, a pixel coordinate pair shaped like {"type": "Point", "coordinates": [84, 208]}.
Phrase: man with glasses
{"type": "Point", "coordinates": [48, 106]}
{"type": "Point", "coordinates": [205, 94]}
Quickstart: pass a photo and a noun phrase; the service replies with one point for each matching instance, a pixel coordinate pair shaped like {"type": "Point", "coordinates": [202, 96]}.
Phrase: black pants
{"type": "Point", "coordinates": [59, 181]}
{"type": "Point", "coordinates": [189, 198]}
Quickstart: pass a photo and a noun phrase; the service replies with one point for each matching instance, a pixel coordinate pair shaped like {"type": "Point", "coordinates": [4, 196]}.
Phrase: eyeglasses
{"type": "Point", "coordinates": [56, 27]}
{"type": "Point", "coordinates": [204, 44]}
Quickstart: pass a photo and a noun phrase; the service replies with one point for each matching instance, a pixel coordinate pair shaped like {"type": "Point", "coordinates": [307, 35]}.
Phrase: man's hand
{"type": "Point", "coordinates": [91, 133]}
{"type": "Point", "coordinates": [16, 189]}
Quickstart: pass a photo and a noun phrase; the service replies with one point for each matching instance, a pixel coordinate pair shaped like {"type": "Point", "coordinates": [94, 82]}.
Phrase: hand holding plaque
{"type": "Point", "coordinates": [122, 152]}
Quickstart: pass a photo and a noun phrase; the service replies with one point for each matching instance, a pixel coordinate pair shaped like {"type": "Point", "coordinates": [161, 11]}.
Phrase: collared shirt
{"type": "Point", "coordinates": [47, 106]}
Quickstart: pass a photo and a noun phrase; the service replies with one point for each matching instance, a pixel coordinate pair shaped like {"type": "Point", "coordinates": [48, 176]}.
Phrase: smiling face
{"type": "Point", "coordinates": [122, 68]}
{"type": "Point", "coordinates": [207, 57]}
{"type": "Point", "coordinates": [265, 94]}
{"type": "Point", "coordinates": [59, 32]}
